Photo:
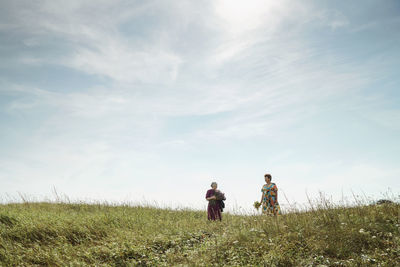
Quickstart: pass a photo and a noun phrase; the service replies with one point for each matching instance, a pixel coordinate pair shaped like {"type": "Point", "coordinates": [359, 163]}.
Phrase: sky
{"type": "Point", "coordinates": [151, 101]}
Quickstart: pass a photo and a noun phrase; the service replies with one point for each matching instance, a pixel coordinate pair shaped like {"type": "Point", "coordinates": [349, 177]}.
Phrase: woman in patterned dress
{"type": "Point", "coordinates": [214, 209]}
{"type": "Point", "coordinates": [269, 198]}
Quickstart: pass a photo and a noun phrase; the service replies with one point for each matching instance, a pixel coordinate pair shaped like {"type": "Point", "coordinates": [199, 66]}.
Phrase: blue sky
{"type": "Point", "coordinates": [152, 100]}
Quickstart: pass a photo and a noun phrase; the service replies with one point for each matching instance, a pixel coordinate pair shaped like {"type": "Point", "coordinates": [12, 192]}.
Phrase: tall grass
{"type": "Point", "coordinates": [102, 234]}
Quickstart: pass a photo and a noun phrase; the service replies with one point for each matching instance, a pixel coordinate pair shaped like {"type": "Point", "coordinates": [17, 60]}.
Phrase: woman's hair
{"type": "Point", "coordinates": [268, 175]}
{"type": "Point", "coordinates": [213, 183]}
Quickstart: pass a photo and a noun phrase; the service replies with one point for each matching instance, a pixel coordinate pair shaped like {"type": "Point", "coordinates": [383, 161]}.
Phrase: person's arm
{"type": "Point", "coordinates": [209, 197]}
{"type": "Point", "coordinates": [262, 194]}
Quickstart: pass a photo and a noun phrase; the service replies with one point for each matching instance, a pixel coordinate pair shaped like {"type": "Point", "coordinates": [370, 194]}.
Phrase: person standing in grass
{"type": "Point", "coordinates": [214, 197]}
{"type": "Point", "coordinates": [269, 197]}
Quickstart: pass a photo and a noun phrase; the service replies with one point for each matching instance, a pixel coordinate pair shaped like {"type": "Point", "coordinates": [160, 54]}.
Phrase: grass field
{"type": "Point", "coordinates": [62, 234]}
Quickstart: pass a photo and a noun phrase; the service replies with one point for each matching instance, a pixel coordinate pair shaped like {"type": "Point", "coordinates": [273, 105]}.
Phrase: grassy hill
{"type": "Point", "coordinates": [60, 234]}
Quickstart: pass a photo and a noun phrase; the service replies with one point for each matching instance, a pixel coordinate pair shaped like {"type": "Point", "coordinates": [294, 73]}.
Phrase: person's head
{"type": "Point", "coordinates": [267, 178]}
{"type": "Point", "coordinates": [214, 185]}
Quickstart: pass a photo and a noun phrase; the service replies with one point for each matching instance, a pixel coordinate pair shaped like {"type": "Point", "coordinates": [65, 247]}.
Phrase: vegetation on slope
{"type": "Point", "coordinates": [61, 234]}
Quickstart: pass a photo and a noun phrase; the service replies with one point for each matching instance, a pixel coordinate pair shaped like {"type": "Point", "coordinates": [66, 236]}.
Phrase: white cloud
{"type": "Point", "coordinates": [334, 19]}
{"type": "Point", "coordinates": [240, 17]}
{"type": "Point", "coordinates": [127, 65]}
{"type": "Point", "coordinates": [246, 65]}
{"type": "Point", "coordinates": [97, 45]}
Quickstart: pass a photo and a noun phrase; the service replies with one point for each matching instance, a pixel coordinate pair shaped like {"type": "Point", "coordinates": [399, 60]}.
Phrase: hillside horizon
{"type": "Point", "coordinates": [59, 234]}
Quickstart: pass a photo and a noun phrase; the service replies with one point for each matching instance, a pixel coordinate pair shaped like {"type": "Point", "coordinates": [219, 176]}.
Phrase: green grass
{"type": "Point", "coordinates": [61, 234]}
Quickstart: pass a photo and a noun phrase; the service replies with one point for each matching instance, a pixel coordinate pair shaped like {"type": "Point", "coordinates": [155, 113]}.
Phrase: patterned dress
{"type": "Point", "coordinates": [213, 210]}
{"type": "Point", "coordinates": [270, 203]}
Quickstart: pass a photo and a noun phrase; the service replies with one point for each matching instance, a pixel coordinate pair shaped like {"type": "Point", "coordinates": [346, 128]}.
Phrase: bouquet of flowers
{"type": "Point", "coordinates": [257, 205]}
